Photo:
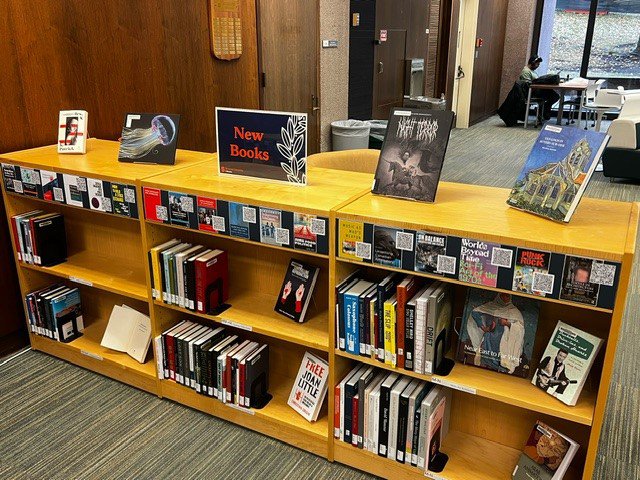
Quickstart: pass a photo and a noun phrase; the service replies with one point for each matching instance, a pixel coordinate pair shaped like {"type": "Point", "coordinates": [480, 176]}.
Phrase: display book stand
{"type": "Point", "coordinates": [492, 414]}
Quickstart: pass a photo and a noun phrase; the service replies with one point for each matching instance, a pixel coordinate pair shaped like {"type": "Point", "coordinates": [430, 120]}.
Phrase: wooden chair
{"type": "Point", "coordinates": [363, 161]}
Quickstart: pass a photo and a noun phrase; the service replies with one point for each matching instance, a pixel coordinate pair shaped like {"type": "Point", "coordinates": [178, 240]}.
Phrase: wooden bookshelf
{"type": "Point", "coordinates": [491, 414]}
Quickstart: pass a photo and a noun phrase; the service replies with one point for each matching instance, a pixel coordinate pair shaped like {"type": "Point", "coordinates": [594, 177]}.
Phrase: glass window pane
{"type": "Point", "coordinates": [562, 36]}
{"type": "Point", "coordinates": [615, 51]}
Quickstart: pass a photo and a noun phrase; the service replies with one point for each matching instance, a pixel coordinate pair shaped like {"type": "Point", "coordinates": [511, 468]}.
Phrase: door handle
{"type": "Point", "coordinates": [314, 104]}
{"type": "Point", "coordinates": [380, 67]}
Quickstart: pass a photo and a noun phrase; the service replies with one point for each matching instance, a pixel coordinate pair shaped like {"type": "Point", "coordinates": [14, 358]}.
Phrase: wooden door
{"type": "Point", "coordinates": [388, 83]}
{"type": "Point", "coordinates": [288, 60]}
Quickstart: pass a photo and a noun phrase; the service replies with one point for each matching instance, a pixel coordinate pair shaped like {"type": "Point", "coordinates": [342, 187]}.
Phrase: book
{"type": "Point", "coordinates": [363, 383]}
{"type": "Point", "coordinates": [428, 247]}
{"type": "Point", "coordinates": [390, 310]}
{"type": "Point", "coordinates": [403, 418]}
{"type": "Point", "coordinates": [74, 187]}
{"type": "Point", "coordinates": [577, 284]}
{"type": "Point", "coordinates": [310, 387]}
{"type": "Point", "coordinates": [297, 288]}
{"type": "Point", "coordinates": [154, 253]}
{"type": "Point", "coordinates": [123, 200]}
{"type": "Point", "coordinates": [30, 181]}
{"type": "Point", "coordinates": [9, 177]}
{"type": "Point", "coordinates": [394, 407]}
{"type": "Point", "coordinates": [420, 342]}
{"type": "Point", "coordinates": [350, 236]}
{"type": "Point", "coordinates": [342, 424]}
{"type": "Point", "coordinates": [49, 239]}
{"type": "Point", "coordinates": [72, 131]}
{"type": "Point", "coordinates": [546, 455]}
{"type": "Point", "coordinates": [435, 411]}
{"type": "Point", "coordinates": [476, 263]}
{"type": "Point", "coordinates": [240, 216]}
{"type": "Point", "coordinates": [439, 327]}
{"type": "Point", "coordinates": [149, 138]}
{"type": "Point", "coordinates": [385, 251]}
{"type": "Point", "coordinates": [384, 413]}
{"type": "Point", "coordinates": [557, 171]}
{"type": "Point", "coordinates": [413, 428]}
{"type": "Point", "coordinates": [270, 224]}
{"type": "Point", "coordinates": [386, 288]}
{"type": "Point", "coordinates": [405, 290]}
{"type": "Point", "coordinates": [180, 206]}
{"type": "Point", "coordinates": [351, 315]}
{"type": "Point", "coordinates": [345, 285]}
{"type": "Point", "coordinates": [212, 281]}
{"type": "Point", "coordinates": [128, 331]}
{"type": "Point", "coordinates": [154, 209]}
{"type": "Point", "coordinates": [498, 332]}
{"type": "Point", "coordinates": [96, 192]}
{"type": "Point", "coordinates": [410, 328]}
{"type": "Point", "coordinates": [256, 378]}
{"type": "Point", "coordinates": [434, 435]}
{"type": "Point", "coordinates": [531, 273]}
{"type": "Point", "coordinates": [413, 153]}
{"type": "Point", "coordinates": [207, 211]}
{"type": "Point", "coordinates": [66, 315]}
{"type": "Point", "coordinates": [566, 362]}
{"type": "Point", "coordinates": [304, 234]}
{"type": "Point", "coordinates": [52, 188]}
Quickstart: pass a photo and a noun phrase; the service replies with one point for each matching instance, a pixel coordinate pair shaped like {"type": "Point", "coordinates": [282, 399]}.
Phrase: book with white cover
{"type": "Point", "coordinates": [310, 387]}
{"type": "Point", "coordinates": [72, 131]}
{"type": "Point", "coordinates": [128, 331]}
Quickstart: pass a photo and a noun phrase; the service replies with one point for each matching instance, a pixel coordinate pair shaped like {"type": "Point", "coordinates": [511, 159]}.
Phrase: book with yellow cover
{"type": "Point", "coordinates": [390, 331]}
{"type": "Point", "coordinates": [350, 234]}
{"type": "Point", "coordinates": [156, 287]}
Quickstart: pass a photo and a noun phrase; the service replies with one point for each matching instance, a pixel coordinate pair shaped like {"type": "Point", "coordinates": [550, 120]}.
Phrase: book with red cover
{"type": "Point", "coordinates": [355, 415]}
{"type": "Point", "coordinates": [212, 281]}
{"type": "Point", "coordinates": [207, 209]}
{"type": "Point", "coordinates": [405, 290]}
{"type": "Point", "coordinates": [336, 411]}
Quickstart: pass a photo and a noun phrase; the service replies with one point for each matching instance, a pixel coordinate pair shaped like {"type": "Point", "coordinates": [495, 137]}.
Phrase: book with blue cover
{"type": "Point", "coordinates": [557, 171]}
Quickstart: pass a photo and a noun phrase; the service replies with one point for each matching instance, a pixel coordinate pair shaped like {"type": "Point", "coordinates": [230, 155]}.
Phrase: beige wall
{"type": "Point", "coordinates": [517, 41]}
{"type": "Point", "coordinates": [334, 67]}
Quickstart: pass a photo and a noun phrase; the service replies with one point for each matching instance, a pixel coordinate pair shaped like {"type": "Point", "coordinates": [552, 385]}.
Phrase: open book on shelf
{"type": "Point", "coordinates": [128, 331]}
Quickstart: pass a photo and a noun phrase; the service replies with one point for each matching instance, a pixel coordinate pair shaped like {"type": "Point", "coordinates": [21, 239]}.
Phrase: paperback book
{"type": "Point", "coordinates": [498, 332]}
{"type": "Point", "coordinates": [149, 138]}
{"type": "Point", "coordinates": [310, 387]}
{"type": "Point", "coordinates": [566, 363]}
{"type": "Point", "coordinates": [412, 154]}
{"type": "Point", "coordinates": [72, 131]}
{"type": "Point", "coordinates": [557, 171]}
{"type": "Point", "coordinates": [297, 289]}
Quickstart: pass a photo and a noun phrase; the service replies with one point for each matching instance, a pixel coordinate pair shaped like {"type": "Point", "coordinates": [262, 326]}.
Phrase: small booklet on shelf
{"type": "Point", "coordinates": [72, 131]}
{"type": "Point", "coordinates": [128, 331]}
{"type": "Point", "coordinates": [566, 362]}
{"type": "Point", "coordinates": [546, 455]}
{"type": "Point", "coordinates": [557, 171]}
{"type": "Point", "coordinates": [296, 290]}
{"type": "Point", "coordinates": [310, 387]}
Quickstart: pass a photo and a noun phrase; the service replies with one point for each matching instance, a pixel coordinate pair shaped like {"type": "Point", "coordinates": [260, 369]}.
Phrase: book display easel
{"type": "Point", "coordinates": [491, 415]}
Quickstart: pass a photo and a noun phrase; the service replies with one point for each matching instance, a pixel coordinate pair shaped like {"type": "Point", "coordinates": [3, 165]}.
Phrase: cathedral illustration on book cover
{"type": "Point", "coordinates": [556, 172]}
{"type": "Point", "coordinates": [412, 154]}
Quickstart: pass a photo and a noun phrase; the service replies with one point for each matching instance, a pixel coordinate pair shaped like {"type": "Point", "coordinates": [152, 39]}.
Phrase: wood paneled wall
{"type": "Point", "coordinates": [113, 57]}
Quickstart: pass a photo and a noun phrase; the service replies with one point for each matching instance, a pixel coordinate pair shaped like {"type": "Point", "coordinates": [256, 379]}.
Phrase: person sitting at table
{"type": "Point", "coordinates": [528, 73]}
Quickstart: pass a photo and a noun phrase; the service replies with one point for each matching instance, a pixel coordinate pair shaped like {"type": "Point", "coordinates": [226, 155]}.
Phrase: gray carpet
{"type": "Point", "coordinates": [115, 431]}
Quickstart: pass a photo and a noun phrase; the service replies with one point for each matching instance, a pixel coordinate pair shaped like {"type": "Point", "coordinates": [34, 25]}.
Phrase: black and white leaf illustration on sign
{"type": "Point", "coordinates": [291, 145]}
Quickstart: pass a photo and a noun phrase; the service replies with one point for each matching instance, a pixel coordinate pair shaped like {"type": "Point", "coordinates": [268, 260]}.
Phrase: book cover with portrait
{"type": "Point", "coordinates": [72, 131]}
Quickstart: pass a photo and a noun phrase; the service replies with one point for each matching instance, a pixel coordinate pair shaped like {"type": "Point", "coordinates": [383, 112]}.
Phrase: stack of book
{"type": "Point", "coordinates": [394, 416]}
{"type": "Point", "coordinates": [193, 277]}
{"type": "Point", "coordinates": [215, 363]}
{"type": "Point", "coordinates": [40, 237]}
{"type": "Point", "coordinates": [403, 320]}
{"type": "Point", "coordinates": [55, 312]}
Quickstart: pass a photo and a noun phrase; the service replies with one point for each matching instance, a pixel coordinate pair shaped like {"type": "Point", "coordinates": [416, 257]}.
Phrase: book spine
{"type": "Point", "coordinates": [367, 327]}
{"type": "Point", "coordinates": [200, 286]}
{"type": "Point", "coordinates": [430, 329]}
{"type": "Point", "coordinates": [422, 439]}
{"type": "Point", "coordinates": [227, 380]}
{"type": "Point", "coordinates": [403, 293]}
{"type": "Point", "coordinates": [170, 371]}
{"type": "Point", "coordinates": [157, 348]}
{"type": "Point", "coordinates": [418, 362]}
{"type": "Point", "coordinates": [362, 326]}
{"type": "Point", "coordinates": [185, 283]}
{"type": "Point", "coordinates": [415, 435]}
{"type": "Point", "coordinates": [340, 321]}
{"type": "Point", "coordinates": [355, 424]}
{"type": "Point", "coordinates": [173, 297]}
{"type": "Point", "coordinates": [336, 412]}
{"type": "Point", "coordinates": [352, 331]}
{"type": "Point", "coordinates": [165, 279]}
{"type": "Point", "coordinates": [383, 421]}
{"type": "Point", "coordinates": [220, 374]}
{"type": "Point", "coordinates": [376, 423]}
{"type": "Point", "coordinates": [380, 307]}
{"type": "Point", "coordinates": [348, 412]}
{"type": "Point", "coordinates": [393, 426]}
{"type": "Point", "coordinates": [401, 442]}
{"type": "Point", "coordinates": [410, 318]}
{"type": "Point", "coordinates": [409, 438]}
{"type": "Point", "coordinates": [372, 330]}
{"type": "Point", "coordinates": [242, 374]}
{"type": "Point", "coordinates": [16, 239]}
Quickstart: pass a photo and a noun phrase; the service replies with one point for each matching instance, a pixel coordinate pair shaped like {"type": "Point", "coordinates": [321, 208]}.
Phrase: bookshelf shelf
{"type": "Point", "coordinates": [502, 388]}
{"type": "Point", "coordinates": [100, 272]}
{"type": "Point", "coordinates": [487, 430]}
{"type": "Point", "coordinates": [252, 311]}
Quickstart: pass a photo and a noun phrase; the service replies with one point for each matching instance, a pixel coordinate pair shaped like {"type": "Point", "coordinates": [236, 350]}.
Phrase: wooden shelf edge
{"type": "Point", "coordinates": [142, 380]}
{"type": "Point", "coordinates": [560, 411]}
{"type": "Point", "coordinates": [141, 295]}
{"type": "Point", "coordinates": [481, 287]}
{"type": "Point", "coordinates": [297, 434]}
{"type": "Point", "coordinates": [294, 337]}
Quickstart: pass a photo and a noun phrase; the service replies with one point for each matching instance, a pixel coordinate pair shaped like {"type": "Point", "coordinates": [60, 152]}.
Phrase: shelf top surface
{"type": "Point", "coordinates": [600, 228]}
{"type": "Point", "coordinates": [101, 161]}
{"type": "Point", "coordinates": [327, 189]}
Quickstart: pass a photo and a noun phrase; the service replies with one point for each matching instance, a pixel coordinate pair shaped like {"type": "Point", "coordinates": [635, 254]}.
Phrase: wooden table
{"type": "Point", "coordinates": [561, 89]}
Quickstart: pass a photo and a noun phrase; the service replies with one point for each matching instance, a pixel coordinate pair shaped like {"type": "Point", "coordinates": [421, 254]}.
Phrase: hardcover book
{"type": "Point", "coordinates": [66, 313]}
{"type": "Point", "coordinates": [128, 331]}
{"type": "Point", "coordinates": [72, 131]}
{"type": "Point", "coordinates": [304, 237]}
{"type": "Point", "coordinates": [476, 264]}
{"type": "Point", "coordinates": [577, 284]}
{"type": "Point", "coordinates": [310, 387]}
{"type": "Point", "coordinates": [531, 274]}
{"type": "Point", "coordinates": [296, 291]}
{"type": "Point", "coordinates": [385, 251]}
{"type": "Point", "coordinates": [566, 362]}
{"type": "Point", "coordinates": [498, 332]}
{"type": "Point", "coordinates": [239, 221]}
{"type": "Point", "coordinates": [557, 171]}
{"type": "Point", "coordinates": [428, 247]}
{"type": "Point", "coordinates": [149, 138]}
{"type": "Point", "coordinates": [212, 281]}
{"type": "Point", "coordinates": [49, 243]}
{"type": "Point", "coordinates": [412, 154]}
{"type": "Point", "coordinates": [546, 455]}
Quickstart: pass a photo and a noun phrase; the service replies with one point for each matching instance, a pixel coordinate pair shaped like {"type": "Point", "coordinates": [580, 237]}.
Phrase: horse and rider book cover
{"type": "Point", "coordinates": [566, 362]}
{"type": "Point", "coordinates": [412, 154]}
{"type": "Point", "coordinates": [557, 171]}
{"type": "Point", "coordinates": [498, 332]}
{"type": "Point", "coordinates": [296, 290]}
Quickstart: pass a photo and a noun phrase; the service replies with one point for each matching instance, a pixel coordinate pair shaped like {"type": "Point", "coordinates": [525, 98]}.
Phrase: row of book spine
{"type": "Point", "coordinates": [39, 237]}
{"type": "Point", "coordinates": [190, 276]}
{"type": "Point", "coordinates": [214, 363]}
{"type": "Point", "coordinates": [55, 312]}
{"type": "Point", "coordinates": [403, 321]}
{"type": "Point", "coordinates": [392, 415]}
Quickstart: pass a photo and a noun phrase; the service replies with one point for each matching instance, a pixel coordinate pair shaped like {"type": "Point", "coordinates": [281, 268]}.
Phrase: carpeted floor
{"type": "Point", "coordinates": [58, 421]}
